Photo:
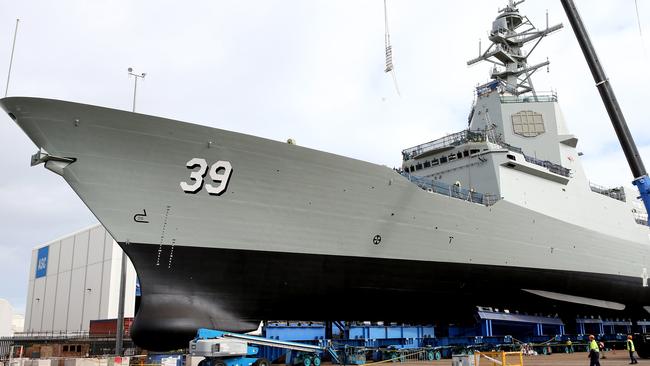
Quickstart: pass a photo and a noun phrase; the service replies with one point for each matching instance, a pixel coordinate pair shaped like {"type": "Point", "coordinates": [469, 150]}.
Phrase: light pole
{"type": "Point", "coordinates": [135, 87]}
{"type": "Point", "coordinates": [119, 334]}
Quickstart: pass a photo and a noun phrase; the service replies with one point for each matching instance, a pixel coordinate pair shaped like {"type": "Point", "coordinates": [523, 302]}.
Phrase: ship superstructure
{"type": "Point", "coordinates": [227, 229]}
{"type": "Point", "coordinates": [517, 146]}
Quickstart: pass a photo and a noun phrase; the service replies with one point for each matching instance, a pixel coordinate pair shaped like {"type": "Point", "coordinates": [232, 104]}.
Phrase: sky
{"type": "Point", "coordinates": [307, 70]}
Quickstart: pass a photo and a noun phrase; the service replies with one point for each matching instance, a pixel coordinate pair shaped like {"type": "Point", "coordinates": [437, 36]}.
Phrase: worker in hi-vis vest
{"type": "Point", "coordinates": [594, 354]}
{"type": "Point", "coordinates": [629, 345]}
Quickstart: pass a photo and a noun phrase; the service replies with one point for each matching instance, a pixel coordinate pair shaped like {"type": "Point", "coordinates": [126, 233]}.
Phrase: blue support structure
{"type": "Point", "coordinates": [295, 331]}
{"type": "Point", "coordinates": [643, 184]}
{"type": "Point", "coordinates": [402, 336]}
{"type": "Point", "coordinates": [486, 327]}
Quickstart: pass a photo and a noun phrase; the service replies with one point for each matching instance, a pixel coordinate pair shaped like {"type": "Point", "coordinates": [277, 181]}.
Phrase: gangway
{"type": "Point", "coordinates": [233, 349]}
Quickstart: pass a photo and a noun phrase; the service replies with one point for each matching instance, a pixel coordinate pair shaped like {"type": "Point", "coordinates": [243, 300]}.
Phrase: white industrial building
{"type": "Point", "coordinates": [76, 279]}
{"type": "Point", "coordinates": [10, 322]}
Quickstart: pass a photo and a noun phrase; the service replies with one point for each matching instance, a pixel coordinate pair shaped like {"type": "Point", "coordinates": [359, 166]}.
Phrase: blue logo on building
{"type": "Point", "coordinates": [41, 262]}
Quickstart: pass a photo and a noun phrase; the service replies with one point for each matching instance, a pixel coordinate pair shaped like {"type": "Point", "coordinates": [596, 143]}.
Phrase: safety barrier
{"type": "Point", "coordinates": [454, 191]}
{"type": "Point", "coordinates": [455, 139]}
{"type": "Point", "coordinates": [499, 358]}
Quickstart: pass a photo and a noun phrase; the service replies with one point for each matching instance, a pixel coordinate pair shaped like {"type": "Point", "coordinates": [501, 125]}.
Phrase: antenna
{"type": "Point", "coordinates": [11, 59]}
{"type": "Point", "coordinates": [135, 85]}
{"type": "Point", "coordinates": [389, 51]}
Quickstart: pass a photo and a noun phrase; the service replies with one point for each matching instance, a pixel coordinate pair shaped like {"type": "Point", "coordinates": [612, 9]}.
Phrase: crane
{"type": "Point", "coordinates": [641, 179]}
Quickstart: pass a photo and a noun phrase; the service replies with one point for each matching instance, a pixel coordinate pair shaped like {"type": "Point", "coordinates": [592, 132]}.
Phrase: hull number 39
{"type": "Point", "coordinates": [219, 172]}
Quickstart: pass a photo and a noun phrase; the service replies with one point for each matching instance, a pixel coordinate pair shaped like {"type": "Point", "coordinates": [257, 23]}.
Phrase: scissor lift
{"type": "Point", "coordinates": [232, 349]}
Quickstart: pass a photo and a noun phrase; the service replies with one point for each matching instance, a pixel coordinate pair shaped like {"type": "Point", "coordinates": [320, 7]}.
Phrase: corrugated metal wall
{"type": "Point", "coordinates": [76, 279]}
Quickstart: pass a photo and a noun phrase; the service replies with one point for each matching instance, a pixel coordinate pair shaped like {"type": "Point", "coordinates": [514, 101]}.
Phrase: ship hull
{"type": "Point", "coordinates": [233, 290]}
{"type": "Point", "coordinates": [292, 232]}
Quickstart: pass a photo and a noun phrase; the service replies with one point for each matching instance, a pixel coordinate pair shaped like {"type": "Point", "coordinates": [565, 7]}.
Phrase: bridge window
{"type": "Point", "coordinates": [443, 159]}
{"type": "Point", "coordinates": [465, 153]}
{"type": "Point", "coordinates": [412, 169]}
{"type": "Point", "coordinates": [435, 162]}
{"type": "Point", "coordinates": [474, 151]}
{"type": "Point", "coordinates": [427, 164]}
{"type": "Point", "coordinates": [459, 155]}
{"type": "Point", "coordinates": [418, 166]}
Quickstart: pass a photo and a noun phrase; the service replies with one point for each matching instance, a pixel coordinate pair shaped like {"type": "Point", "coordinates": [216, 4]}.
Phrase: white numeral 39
{"type": "Point", "coordinates": [219, 173]}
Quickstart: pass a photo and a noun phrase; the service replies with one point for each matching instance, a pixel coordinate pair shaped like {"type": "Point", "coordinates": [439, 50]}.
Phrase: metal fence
{"type": "Point", "coordinates": [5, 347]}
{"type": "Point", "coordinates": [539, 98]}
{"type": "Point", "coordinates": [51, 334]}
{"type": "Point", "coordinates": [462, 137]}
{"type": "Point", "coordinates": [617, 193]}
{"type": "Point", "coordinates": [552, 167]}
{"type": "Point", "coordinates": [455, 139]}
{"type": "Point", "coordinates": [454, 191]}
{"type": "Point", "coordinates": [499, 358]}
{"type": "Point", "coordinates": [97, 346]}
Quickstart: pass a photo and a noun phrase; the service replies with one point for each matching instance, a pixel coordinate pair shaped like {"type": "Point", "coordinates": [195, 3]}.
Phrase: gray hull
{"type": "Point", "coordinates": [292, 204]}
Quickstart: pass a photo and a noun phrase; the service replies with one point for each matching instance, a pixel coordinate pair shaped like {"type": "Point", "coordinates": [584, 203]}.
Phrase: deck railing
{"type": "Point", "coordinates": [462, 137]}
{"type": "Point", "coordinates": [455, 139]}
{"type": "Point", "coordinates": [617, 193]}
{"type": "Point", "coordinates": [454, 191]}
{"type": "Point", "coordinates": [552, 167]}
{"type": "Point", "coordinates": [539, 98]}
{"type": "Point", "coordinates": [641, 218]}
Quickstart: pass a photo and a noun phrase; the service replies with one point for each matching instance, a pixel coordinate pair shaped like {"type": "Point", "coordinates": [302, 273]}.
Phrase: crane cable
{"type": "Point", "coordinates": [638, 21]}
{"type": "Point", "coordinates": [390, 68]}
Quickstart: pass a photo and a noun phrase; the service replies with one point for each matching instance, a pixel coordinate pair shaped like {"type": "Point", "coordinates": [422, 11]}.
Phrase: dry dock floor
{"type": "Point", "coordinates": [620, 358]}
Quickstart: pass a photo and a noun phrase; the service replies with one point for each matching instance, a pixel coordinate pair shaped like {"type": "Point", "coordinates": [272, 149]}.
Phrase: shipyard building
{"type": "Point", "coordinates": [76, 279]}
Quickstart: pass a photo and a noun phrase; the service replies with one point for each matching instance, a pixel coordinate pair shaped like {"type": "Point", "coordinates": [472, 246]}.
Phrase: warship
{"type": "Point", "coordinates": [227, 229]}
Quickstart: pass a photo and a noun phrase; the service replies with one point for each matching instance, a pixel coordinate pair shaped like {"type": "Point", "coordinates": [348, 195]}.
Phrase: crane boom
{"type": "Point", "coordinates": [606, 91]}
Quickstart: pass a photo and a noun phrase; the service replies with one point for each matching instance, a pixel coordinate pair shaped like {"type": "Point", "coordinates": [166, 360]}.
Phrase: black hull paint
{"type": "Point", "coordinates": [235, 289]}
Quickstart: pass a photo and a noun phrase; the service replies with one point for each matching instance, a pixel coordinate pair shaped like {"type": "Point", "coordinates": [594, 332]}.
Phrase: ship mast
{"type": "Point", "coordinates": [510, 33]}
